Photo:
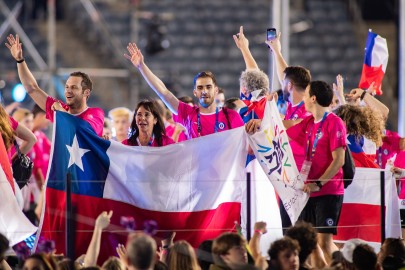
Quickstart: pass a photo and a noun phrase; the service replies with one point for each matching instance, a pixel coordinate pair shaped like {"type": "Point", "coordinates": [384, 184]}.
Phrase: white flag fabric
{"type": "Point", "coordinates": [13, 223]}
{"type": "Point", "coordinates": [273, 151]}
{"type": "Point", "coordinates": [360, 216]}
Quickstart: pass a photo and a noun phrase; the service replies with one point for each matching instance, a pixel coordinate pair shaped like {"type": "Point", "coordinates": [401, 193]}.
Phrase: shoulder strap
{"type": "Point", "coordinates": [17, 148]}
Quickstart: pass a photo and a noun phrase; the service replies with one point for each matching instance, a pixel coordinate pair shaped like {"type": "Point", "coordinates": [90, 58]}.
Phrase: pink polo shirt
{"type": "Point", "coordinates": [295, 112]}
{"type": "Point", "coordinates": [333, 136]}
{"type": "Point", "coordinates": [94, 116]}
{"type": "Point", "coordinates": [188, 116]}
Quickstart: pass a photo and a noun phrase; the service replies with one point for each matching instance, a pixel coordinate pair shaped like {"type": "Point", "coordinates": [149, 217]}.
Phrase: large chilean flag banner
{"type": "Point", "coordinates": [375, 62]}
{"type": "Point", "coordinates": [360, 216]}
{"type": "Point", "coordinates": [193, 187]}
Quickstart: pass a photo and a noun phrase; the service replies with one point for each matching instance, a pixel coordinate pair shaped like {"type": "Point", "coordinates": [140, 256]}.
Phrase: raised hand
{"type": "Point", "coordinates": [261, 227]}
{"type": "Point", "coordinates": [135, 55]}
{"type": "Point", "coordinates": [122, 254]}
{"type": "Point", "coordinates": [338, 86]}
{"type": "Point", "coordinates": [103, 220]}
{"type": "Point", "coordinates": [15, 47]}
{"type": "Point", "coordinates": [275, 44]}
{"type": "Point", "coordinates": [240, 40]}
{"type": "Point", "coordinates": [372, 89]}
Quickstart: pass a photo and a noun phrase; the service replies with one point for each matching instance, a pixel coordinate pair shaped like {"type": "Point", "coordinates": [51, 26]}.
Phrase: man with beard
{"type": "Point", "coordinates": [77, 90]}
{"type": "Point", "coordinates": [202, 119]}
{"type": "Point", "coordinates": [294, 81]}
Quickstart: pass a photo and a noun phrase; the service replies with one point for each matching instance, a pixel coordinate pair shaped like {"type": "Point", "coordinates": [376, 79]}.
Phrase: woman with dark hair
{"type": "Point", "coordinates": [147, 127]}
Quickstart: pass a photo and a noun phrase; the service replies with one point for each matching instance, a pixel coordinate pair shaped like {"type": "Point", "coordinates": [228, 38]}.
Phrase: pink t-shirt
{"type": "Point", "coordinates": [333, 136]}
{"type": "Point", "coordinates": [14, 123]}
{"type": "Point", "coordinates": [293, 113]}
{"type": "Point", "coordinates": [187, 116]}
{"type": "Point", "coordinates": [166, 140]}
{"type": "Point", "coordinates": [400, 163]}
{"type": "Point", "coordinates": [389, 148]}
{"type": "Point", "coordinates": [94, 116]}
{"type": "Point", "coordinates": [41, 151]}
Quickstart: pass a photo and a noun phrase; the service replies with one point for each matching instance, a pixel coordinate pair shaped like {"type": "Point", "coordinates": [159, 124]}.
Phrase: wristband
{"type": "Point", "coordinates": [319, 184]}
{"type": "Point", "coordinates": [363, 94]}
{"type": "Point", "coordinates": [20, 61]}
{"type": "Point", "coordinates": [258, 231]}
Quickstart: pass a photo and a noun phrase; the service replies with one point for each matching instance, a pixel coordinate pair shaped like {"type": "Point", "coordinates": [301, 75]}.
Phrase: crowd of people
{"type": "Point", "coordinates": [321, 122]}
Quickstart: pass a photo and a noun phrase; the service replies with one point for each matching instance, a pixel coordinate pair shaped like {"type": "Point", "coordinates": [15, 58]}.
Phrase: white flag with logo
{"type": "Point", "coordinates": [273, 152]}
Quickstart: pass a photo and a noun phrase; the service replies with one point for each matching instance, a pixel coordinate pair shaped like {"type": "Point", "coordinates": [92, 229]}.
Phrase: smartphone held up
{"type": "Point", "coordinates": [271, 33]}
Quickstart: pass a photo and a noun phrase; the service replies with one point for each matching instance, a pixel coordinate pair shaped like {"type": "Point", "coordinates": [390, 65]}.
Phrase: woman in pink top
{"type": "Point", "coordinates": [147, 127]}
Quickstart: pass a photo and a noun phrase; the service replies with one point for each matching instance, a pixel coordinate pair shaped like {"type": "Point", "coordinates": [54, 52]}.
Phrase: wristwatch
{"type": "Point", "coordinates": [319, 184]}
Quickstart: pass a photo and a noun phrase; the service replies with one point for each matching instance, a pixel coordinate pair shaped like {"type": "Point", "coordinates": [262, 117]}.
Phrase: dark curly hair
{"type": "Point", "coordinates": [362, 121]}
{"type": "Point", "coordinates": [158, 129]}
{"type": "Point", "coordinates": [305, 234]}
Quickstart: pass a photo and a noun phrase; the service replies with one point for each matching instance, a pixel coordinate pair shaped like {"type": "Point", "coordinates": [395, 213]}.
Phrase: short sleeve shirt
{"type": "Point", "coordinates": [188, 116]}
{"type": "Point", "coordinates": [332, 136]}
{"type": "Point", "coordinates": [94, 116]}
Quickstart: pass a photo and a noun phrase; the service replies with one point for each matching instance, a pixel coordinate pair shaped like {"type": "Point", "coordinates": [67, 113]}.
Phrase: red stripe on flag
{"type": "Point", "coordinates": [372, 74]}
{"type": "Point", "coordinates": [194, 227]}
{"type": "Point", "coordinates": [359, 221]}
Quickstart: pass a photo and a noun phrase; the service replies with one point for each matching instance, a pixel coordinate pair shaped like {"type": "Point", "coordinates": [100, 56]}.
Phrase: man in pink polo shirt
{"type": "Point", "coordinates": [324, 136]}
{"type": "Point", "coordinates": [294, 81]}
{"type": "Point", "coordinates": [77, 90]}
{"type": "Point", "coordinates": [205, 118]}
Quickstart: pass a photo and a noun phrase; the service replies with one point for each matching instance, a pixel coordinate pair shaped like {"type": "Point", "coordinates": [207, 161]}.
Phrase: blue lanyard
{"type": "Point", "coordinates": [296, 108]}
{"type": "Point", "coordinates": [152, 138]}
{"type": "Point", "coordinates": [318, 132]}
{"type": "Point", "coordinates": [199, 122]}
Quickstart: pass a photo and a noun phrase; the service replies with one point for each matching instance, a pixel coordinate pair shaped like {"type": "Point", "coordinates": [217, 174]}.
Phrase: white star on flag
{"type": "Point", "coordinates": [76, 154]}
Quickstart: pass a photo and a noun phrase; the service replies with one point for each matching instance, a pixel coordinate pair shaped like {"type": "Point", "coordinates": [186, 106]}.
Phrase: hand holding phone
{"type": "Point", "coordinates": [271, 33]}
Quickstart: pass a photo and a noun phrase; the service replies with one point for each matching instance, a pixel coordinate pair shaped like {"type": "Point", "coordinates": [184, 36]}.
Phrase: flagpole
{"type": "Point", "coordinates": [70, 234]}
{"type": "Point", "coordinates": [382, 205]}
{"type": "Point", "coordinates": [248, 206]}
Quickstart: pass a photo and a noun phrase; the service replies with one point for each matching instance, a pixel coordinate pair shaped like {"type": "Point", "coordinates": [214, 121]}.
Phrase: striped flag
{"type": "Point", "coordinates": [375, 62]}
{"type": "Point", "coordinates": [193, 187]}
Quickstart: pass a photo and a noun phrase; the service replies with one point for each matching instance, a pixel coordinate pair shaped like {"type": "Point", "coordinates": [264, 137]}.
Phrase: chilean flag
{"type": "Point", "coordinates": [13, 223]}
{"type": "Point", "coordinates": [193, 187]}
{"type": "Point", "coordinates": [360, 215]}
{"type": "Point", "coordinates": [375, 62]}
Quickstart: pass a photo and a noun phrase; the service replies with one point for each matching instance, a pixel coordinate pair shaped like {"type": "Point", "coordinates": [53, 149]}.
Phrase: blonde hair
{"type": "Point", "coordinates": [20, 113]}
{"type": "Point", "coordinates": [7, 133]}
{"type": "Point", "coordinates": [113, 263]}
{"type": "Point", "coordinates": [182, 256]}
{"type": "Point", "coordinates": [120, 112]}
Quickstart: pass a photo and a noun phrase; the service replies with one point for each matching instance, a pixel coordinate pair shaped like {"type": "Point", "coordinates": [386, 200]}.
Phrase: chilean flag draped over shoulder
{"type": "Point", "coordinates": [375, 62]}
{"type": "Point", "coordinates": [193, 187]}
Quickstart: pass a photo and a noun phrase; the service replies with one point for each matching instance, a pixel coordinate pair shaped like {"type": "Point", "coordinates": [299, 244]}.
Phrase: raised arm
{"type": "Point", "coordinates": [26, 77]}
{"type": "Point", "coordinates": [102, 222]}
{"type": "Point", "coordinates": [370, 101]}
{"type": "Point", "coordinates": [254, 243]}
{"type": "Point", "coordinates": [154, 82]}
{"type": "Point", "coordinates": [338, 90]}
{"type": "Point", "coordinates": [243, 44]}
{"type": "Point", "coordinates": [281, 64]}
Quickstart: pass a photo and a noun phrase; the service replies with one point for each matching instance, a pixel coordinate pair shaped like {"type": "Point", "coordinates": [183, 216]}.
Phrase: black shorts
{"type": "Point", "coordinates": [402, 215]}
{"type": "Point", "coordinates": [323, 212]}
